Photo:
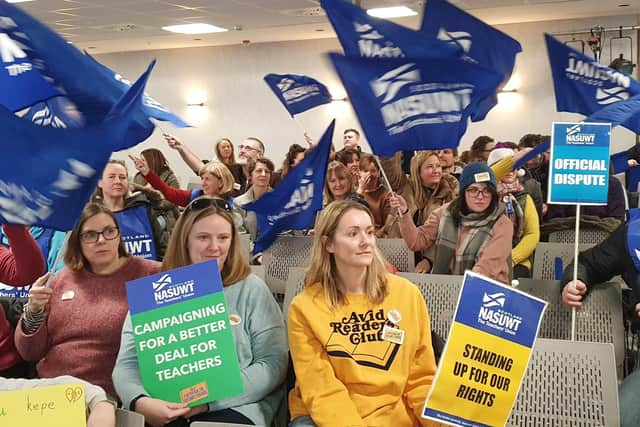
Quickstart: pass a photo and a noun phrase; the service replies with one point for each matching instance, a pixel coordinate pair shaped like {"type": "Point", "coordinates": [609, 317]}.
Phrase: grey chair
{"type": "Point", "coordinates": [284, 253]}
{"type": "Point", "coordinates": [590, 236]}
{"type": "Point", "coordinates": [440, 293]}
{"type": "Point", "coordinates": [599, 320]}
{"type": "Point", "coordinates": [397, 253]}
{"type": "Point", "coordinates": [568, 384]}
{"type": "Point", "coordinates": [258, 270]}
{"type": "Point", "coordinates": [295, 285]}
{"type": "Point", "coordinates": [546, 254]}
{"type": "Point", "coordinates": [126, 418]}
{"type": "Point", "coordinates": [245, 244]}
{"type": "Point", "coordinates": [210, 424]}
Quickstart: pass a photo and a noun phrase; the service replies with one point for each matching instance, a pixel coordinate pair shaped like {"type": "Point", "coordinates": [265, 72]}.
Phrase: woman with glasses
{"type": "Point", "coordinates": [206, 232]}
{"type": "Point", "coordinates": [469, 233]}
{"type": "Point", "coordinates": [72, 325]}
{"type": "Point", "coordinates": [350, 370]}
{"type": "Point", "coordinates": [425, 189]}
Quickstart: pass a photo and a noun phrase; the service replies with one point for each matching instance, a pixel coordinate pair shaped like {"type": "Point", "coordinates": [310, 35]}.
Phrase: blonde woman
{"type": "Point", "coordinates": [338, 184]}
{"type": "Point", "coordinates": [206, 231]}
{"type": "Point", "coordinates": [349, 371]}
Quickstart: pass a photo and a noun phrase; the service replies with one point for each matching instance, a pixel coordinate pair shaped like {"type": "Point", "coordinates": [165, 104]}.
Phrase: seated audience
{"type": "Point", "coordinates": [71, 327]}
{"type": "Point", "coordinates": [260, 172]}
{"type": "Point", "coordinates": [205, 232]}
{"type": "Point", "coordinates": [372, 189]}
{"type": "Point", "coordinates": [351, 159]}
{"type": "Point", "coordinates": [338, 184]}
{"type": "Point", "coordinates": [19, 266]}
{"type": "Point", "coordinates": [469, 233]}
{"type": "Point", "coordinates": [521, 210]}
{"type": "Point", "coordinates": [450, 162]}
{"type": "Point", "coordinates": [294, 156]}
{"type": "Point", "coordinates": [480, 149]}
{"type": "Point", "coordinates": [346, 288]}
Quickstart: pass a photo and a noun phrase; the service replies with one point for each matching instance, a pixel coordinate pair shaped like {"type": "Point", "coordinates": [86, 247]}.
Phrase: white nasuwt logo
{"type": "Point", "coordinates": [10, 50]}
{"type": "Point", "coordinates": [367, 31]}
{"type": "Point", "coordinates": [572, 130]}
{"type": "Point", "coordinates": [164, 281]}
{"type": "Point", "coordinates": [637, 254]}
{"type": "Point", "coordinates": [45, 117]}
{"type": "Point", "coordinates": [392, 81]}
{"type": "Point", "coordinates": [609, 96]}
{"type": "Point", "coordinates": [493, 300]}
{"type": "Point", "coordinates": [461, 38]}
{"type": "Point", "coordinates": [285, 84]}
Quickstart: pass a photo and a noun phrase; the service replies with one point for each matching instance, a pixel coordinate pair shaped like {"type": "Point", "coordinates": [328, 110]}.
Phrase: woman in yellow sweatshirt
{"type": "Point", "coordinates": [359, 337]}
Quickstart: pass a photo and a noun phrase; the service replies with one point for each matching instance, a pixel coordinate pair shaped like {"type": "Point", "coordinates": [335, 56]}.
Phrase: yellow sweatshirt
{"type": "Point", "coordinates": [521, 253]}
{"type": "Point", "coordinates": [346, 374]}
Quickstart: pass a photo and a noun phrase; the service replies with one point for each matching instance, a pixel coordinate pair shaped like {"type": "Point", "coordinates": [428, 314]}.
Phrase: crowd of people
{"type": "Point", "coordinates": [455, 212]}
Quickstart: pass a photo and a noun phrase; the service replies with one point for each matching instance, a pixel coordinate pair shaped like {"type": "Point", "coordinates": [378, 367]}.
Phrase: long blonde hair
{"type": "Point", "coordinates": [322, 268]}
{"type": "Point", "coordinates": [337, 169]}
{"type": "Point", "coordinates": [235, 267]}
{"type": "Point", "coordinates": [421, 194]}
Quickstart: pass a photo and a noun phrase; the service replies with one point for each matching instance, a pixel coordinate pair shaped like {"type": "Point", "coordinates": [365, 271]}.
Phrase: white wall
{"type": "Point", "coordinates": [239, 103]}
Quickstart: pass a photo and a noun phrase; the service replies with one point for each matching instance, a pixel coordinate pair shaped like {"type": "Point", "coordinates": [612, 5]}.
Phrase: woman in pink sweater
{"type": "Point", "coordinates": [72, 327]}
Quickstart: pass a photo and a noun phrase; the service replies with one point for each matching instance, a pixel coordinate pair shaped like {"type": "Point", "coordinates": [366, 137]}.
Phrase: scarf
{"type": "Point", "coordinates": [470, 248]}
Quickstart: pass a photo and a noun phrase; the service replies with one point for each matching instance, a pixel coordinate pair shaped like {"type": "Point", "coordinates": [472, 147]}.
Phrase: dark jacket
{"type": "Point", "coordinates": [615, 208]}
{"type": "Point", "coordinates": [167, 176]}
{"type": "Point", "coordinates": [604, 261]}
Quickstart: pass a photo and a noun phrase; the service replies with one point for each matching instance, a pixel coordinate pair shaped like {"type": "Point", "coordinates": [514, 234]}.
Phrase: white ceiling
{"type": "Point", "coordinates": [128, 25]}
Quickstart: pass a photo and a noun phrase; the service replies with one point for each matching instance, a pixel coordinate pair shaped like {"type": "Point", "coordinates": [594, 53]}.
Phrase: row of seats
{"type": "Point", "coordinates": [126, 418]}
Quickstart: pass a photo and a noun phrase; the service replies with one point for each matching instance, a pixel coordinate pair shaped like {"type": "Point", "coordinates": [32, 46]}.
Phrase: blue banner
{"type": "Point", "coordinates": [481, 43]}
{"type": "Point", "coordinates": [68, 164]}
{"type": "Point", "coordinates": [136, 232]}
{"type": "Point", "coordinates": [582, 85]}
{"type": "Point", "coordinates": [72, 73]}
{"type": "Point", "coordinates": [298, 93]}
{"type": "Point", "coordinates": [173, 287]}
{"type": "Point", "coordinates": [21, 84]}
{"type": "Point", "coordinates": [407, 104]}
{"type": "Point", "coordinates": [579, 164]}
{"type": "Point", "coordinates": [536, 151]}
{"type": "Point", "coordinates": [56, 112]}
{"type": "Point", "coordinates": [363, 35]}
{"type": "Point", "coordinates": [294, 202]}
{"type": "Point", "coordinates": [150, 106]}
{"type": "Point", "coordinates": [619, 162]}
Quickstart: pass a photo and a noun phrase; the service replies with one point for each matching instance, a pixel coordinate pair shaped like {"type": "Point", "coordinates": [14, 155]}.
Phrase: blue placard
{"type": "Point", "coordinates": [499, 310]}
{"type": "Point", "coordinates": [173, 287]}
{"type": "Point", "coordinates": [579, 165]}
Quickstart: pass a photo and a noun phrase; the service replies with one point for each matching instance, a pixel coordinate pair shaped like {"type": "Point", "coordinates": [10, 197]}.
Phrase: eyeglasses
{"type": "Point", "coordinates": [206, 202]}
{"type": "Point", "coordinates": [92, 236]}
{"type": "Point", "coordinates": [248, 147]}
{"type": "Point", "coordinates": [475, 192]}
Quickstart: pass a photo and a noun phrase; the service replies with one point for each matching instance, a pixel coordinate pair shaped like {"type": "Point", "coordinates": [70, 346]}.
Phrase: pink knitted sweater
{"type": "Point", "coordinates": [81, 334]}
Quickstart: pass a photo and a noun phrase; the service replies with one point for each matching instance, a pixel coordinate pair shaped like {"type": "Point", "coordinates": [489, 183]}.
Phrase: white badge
{"type": "Point", "coordinates": [68, 295]}
{"type": "Point", "coordinates": [393, 335]}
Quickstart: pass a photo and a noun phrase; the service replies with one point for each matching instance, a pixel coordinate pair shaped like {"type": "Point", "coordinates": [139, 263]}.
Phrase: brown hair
{"type": "Point", "coordinates": [73, 257]}
{"type": "Point", "coordinates": [156, 160]}
{"type": "Point", "coordinates": [289, 158]}
{"type": "Point", "coordinates": [232, 158]}
{"type": "Point", "coordinates": [235, 267]}
{"type": "Point", "coordinates": [322, 267]}
{"type": "Point", "coordinates": [338, 169]}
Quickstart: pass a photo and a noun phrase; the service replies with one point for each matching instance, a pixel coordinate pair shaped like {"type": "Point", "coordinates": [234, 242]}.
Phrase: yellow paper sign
{"type": "Point", "coordinates": [53, 406]}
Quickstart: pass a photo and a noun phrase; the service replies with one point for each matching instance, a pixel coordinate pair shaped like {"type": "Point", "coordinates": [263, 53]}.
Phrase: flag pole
{"type": "Point", "coordinates": [59, 256]}
{"type": "Point", "coordinates": [304, 132]}
{"type": "Point", "coordinates": [575, 269]}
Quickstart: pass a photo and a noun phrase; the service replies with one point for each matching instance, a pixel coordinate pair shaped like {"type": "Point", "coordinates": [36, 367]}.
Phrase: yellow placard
{"type": "Point", "coordinates": [52, 406]}
{"type": "Point", "coordinates": [476, 383]}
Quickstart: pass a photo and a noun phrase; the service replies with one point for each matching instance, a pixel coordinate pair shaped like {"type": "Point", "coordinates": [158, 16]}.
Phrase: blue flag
{"type": "Point", "coordinates": [72, 73]}
{"type": "Point", "coordinates": [363, 35]}
{"type": "Point", "coordinates": [21, 84]}
{"type": "Point", "coordinates": [619, 163]}
{"type": "Point", "coordinates": [68, 163]}
{"type": "Point", "coordinates": [150, 106]}
{"type": "Point", "coordinates": [582, 85]}
{"type": "Point", "coordinates": [481, 42]}
{"type": "Point", "coordinates": [537, 150]}
{"type": "Point", "coordinates": [298, 93]}
{"type": "Point", "coordinates": [405, 104]}
{"type": "Point", "coordinates": [56, 112]}
{"type": "Point", "coordinates": [294, 202]}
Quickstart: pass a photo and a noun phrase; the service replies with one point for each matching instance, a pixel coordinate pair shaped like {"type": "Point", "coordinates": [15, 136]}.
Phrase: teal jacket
{"type": "Point", "coordinates": [261, 345]}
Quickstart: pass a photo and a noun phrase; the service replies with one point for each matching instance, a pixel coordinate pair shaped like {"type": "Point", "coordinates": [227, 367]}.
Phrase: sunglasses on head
{"type": "Point", "coordinates": [206, 202]}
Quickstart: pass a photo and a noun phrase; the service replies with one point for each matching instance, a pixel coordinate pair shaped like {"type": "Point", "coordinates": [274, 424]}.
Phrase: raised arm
{"type": "Point", "coordinates": [23, 263]}
{"type": "Point", "coordinates": [187, 155]}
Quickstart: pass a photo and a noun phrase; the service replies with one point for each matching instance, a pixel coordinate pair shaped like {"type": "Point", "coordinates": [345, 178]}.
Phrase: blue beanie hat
{"type": "Point", "coordinates": [476, 172]}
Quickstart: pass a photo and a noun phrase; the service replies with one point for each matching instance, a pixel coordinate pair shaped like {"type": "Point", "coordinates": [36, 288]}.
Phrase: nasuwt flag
{"type": "Point", "coordinates": [582, 85]}
{"type": "Point", "coordinates": [152, 107]}
{"type": "Point", "coordinates": [298, 93]}
{"type": "Point", "coordinates": [72, 73]}
{"type": "Point", "coordinates": [57, 112]}
{"type": "Point", "coordinates": [68, 163]}
{"type": "Point", "coordinates": [363, 35]}
{"type": "Point", "coordinates": [294, 202]}
{"type": "Point", "coordinates": [481, 42]}
{"type": "Point", "coordinates": [411, 104]}
{"type": "Point", "coordinates": [21, 84]}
